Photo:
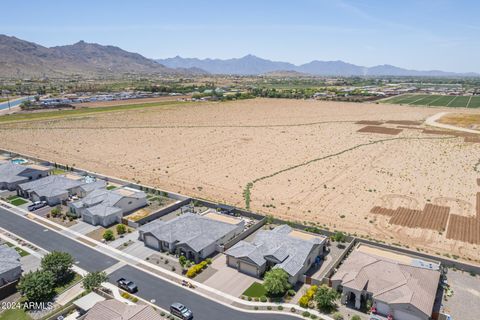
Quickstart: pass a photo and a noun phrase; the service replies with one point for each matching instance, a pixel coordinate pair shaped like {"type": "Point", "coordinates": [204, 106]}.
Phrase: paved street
{"type": "Point", "coordinates": [88, 259]}
{"type": "Point", "coordinates": [150, 287]}
{"type": "Point", "coordinates": [165, 293]}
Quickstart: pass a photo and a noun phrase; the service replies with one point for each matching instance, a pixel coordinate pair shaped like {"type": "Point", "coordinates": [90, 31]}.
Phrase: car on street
{"type": "Point", "coordinates": [37, 205]}
{"type": "Point", "coordinates": [179, 310]}
{"type": "Point", "coordinates": [127, 285]}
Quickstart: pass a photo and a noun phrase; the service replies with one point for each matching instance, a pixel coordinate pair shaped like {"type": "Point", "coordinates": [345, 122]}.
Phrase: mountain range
{"type": "Point", "coordinates": [24, 59]}
{"type": "Point", "coordinates": [20, 59]}
{"type": "Point", "coordinates": [253, 65]}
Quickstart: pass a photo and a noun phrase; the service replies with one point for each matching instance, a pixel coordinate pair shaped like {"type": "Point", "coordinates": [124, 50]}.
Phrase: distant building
{"type": "Point", "coordinates": [285, 248]}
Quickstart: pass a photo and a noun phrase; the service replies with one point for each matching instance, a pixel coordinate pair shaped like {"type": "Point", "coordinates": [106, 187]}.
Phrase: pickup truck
{"type": "Point", "coordinates": [37, 205]}
{"type": "Point", "coordinates": [127, 285]}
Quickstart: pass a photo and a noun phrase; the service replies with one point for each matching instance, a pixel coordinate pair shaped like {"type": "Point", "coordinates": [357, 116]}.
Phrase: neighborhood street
{"type": "Point", "coordinates": [150, 287]}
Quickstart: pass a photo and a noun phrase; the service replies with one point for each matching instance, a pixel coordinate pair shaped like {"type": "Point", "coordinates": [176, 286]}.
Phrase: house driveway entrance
{"type": "Point", "coordinates": [228, 279]}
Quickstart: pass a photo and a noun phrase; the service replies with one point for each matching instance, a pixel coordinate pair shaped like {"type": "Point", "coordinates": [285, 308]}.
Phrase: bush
{"type": "Point", "coordinates": [121, 228]}
{"type": "Point", "coordinates": [256, 307]}
{"type": "Point", "coordinates": [306, 314]}
{"type": "Point", "coordinates": [196, 269]}
{"type": "Point", "coordinates": [280, 308]}
{"type": "Point", "coordinates": [263, 299]}
{"type": "Point", "coordinates": [182, 260]}
{"type": "Point", "coordinates": [291, 292]}
{"type": "Point", "coordinates": [337, 316]}
{"type": "Point", "coordinates": [307, 297]}
{"type": "Point", "coordinates": [313, 316]}
{"type": "Point", "coordinates": [269, 308]}
{"type": "Point", "coordinates": [108, 235]}
{"type": "Point", "coordinates": [355, 317]}
{"type": "Point", "coordinates": [56, 212]}
{"type": "Point", "coordinates": [209, 261]}
{"type": "Point", "coordinates": [292, 309]}
{"type": "Point", "coordinates": [325, 298]}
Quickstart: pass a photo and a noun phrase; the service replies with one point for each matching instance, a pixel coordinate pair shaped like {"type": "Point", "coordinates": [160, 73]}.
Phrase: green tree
{"type": "Point", "coordinates": [276, 282]}
{"type": "Point", "coordinates": [37, 286]}
{"type": "Point", "coordinates": [108, 235]}
{"type": "Point", "coordinates": [121, 228]}
{"type": "Point", "coordinates": [59, 264]}
{"type": "Point", "coordinates": [93, 280]}
{"type": "Point", "coordinates": [325, 298]}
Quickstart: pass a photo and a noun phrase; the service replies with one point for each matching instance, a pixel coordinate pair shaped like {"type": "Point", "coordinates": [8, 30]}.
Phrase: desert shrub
{"type": "Point", "coordinates": [108, 235]}
{"type": "Point", "coordinates": [263, 299]}
{"type": "Point", "coordinates": [307, 297]}
{"type": "Point", "coordinates": [337, 316]}
{"type": "Point", "coordinates": [306, 314]}
{"type": "Point", "coordinates": [121, 228]}
{"type": "Point", "coordinates": [356, 317]}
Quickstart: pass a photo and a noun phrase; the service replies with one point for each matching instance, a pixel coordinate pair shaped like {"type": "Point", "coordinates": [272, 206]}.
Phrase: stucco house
{"type": "Point", "coordinates": [106, 207]}
{"type": "Point", "coordinates": [115, 310]}
{"type": "Point", "coordinates": [195, 236]}
{"type": "Point", "coordinates": [10, 266]}
{"type": "Point", "coordinates": [398, 285]}
{"type": "Point", "coordinates": [12, 174]}
{"type": "Point", "coordinates": [283, 247]}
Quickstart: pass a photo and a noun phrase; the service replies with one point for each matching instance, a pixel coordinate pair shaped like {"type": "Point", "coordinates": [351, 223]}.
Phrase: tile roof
{"type": "Point", "coordinates": [191, 229]}
{"type": "Point", "coordinates": [12, 172]}
{"type": "Point", "coordinates": [390, 281]}
{"type": "Point", "coordinates": [51, 186]}
{"type": "Point", "coordinates": [290, 253]}
{"type": "Point", "coordinates": [9, 258]}
{"type": "Point", "coordinates": [116, 310]}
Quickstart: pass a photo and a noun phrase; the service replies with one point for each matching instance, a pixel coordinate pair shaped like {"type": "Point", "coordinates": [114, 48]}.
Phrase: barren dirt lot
{"type": "Point", "coordinates": [303, 160]}
{"type": "Point", "coordinates": [129, 101]}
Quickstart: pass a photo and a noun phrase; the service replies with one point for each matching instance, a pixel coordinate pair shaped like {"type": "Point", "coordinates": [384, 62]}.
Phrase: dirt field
{"type": "Point", "coordinates": [129, 101]}
{"type": "Point", "coordinates": [470, 121]}
{"type": "Point", "coordinates": [301, 160]}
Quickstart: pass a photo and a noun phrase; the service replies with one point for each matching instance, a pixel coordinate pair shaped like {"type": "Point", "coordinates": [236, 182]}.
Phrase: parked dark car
{"type": "Point", "coordinates": [37, 205]}
{"type": "Point", "coordinates": [179, 310]}
{"type": "Point", "coordinates": [127, 285]}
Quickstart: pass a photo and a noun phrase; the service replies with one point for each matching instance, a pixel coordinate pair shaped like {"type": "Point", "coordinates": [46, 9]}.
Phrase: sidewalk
{"type": "Point", "coordinates": [166, 275]}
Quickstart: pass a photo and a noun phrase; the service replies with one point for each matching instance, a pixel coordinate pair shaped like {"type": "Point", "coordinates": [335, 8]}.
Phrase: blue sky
{"type": "Point", "coordinates": [417, 34]}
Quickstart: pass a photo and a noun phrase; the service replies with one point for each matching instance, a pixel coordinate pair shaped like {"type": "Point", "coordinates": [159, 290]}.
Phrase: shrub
{"type": "Point", "coordinates": [280, 308]}
{"type": "Point", "coordinates": [306, 314]}
{"type": "Point", "coordinates": [196, 269]}
{"type": "Point", "coordinates": [269, 308]}
{"type": "Point", "coordinates": [108, 235]}
{"type": "Point", "coordinates": [337, 316]}
{"type": "Point", "coordinates": [325, 298]}
{"type": "Point", "coordinates": [307, 297]}
{"type": "Point", "coordinates": [121, 228]}
{"type": "Point", "coordinates": [292, 309]}
{"type": "Point", "coordinates": [291, 292]}
{"type": "Point", "coordinates": [162, 313]}
{"type": "Point", "coordinates": [356, 317]}
{"type": "Point", "coordinates": [256, 308]}
{"type": "Point", "coordinates": [249, 298]}
{"type": "Point", "coordinates": [208, 260]}
{"type": "Point", "coordinates": [93, 280]}
{"type": "Point", "coordinates": [182, 260]}
{"type": "Point", "coordinates": [263, 299]}
{"type": "Point", "coordinates": [313, 316]}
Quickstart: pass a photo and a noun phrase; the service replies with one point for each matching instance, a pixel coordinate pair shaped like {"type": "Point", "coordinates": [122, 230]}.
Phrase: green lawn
{"type": "Point", "coordinates": [256, 290]}
{"type": "Point", "coordinates": [13, 196]}
{"type": "Point", "coordinates": [18, 201]}
{"type": "Point", "coordinates": [14, 314]}
{"type": "Point", "coordinates": [435, 100]}
{"type": "Point", "coordinates": [83, 111]}
{"type": "Point", "coordinates": [58, 171]}
{"type": "Point", "coordinates": [77, 278]}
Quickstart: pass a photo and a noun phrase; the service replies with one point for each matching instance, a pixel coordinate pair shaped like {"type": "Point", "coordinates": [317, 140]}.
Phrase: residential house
{"type": "Point", "coordinates": [398, 285]}
{"type": "Point", "coordinates": [106, 207]}
{"type": "Point", "coordinates": [283, 247]}
{"type": "Point", "coordinates": [12, 174]}
{"type": "Point", "coordinates": [192, 235]}
{"type": "Point", "coordinates": [53, 189]}
{"type": "Point", "coordinates": [116, 310]}
{"type": "Point", "coordinates": [87, 188]}
{"type": "Point", "coordinates": [10, 266]}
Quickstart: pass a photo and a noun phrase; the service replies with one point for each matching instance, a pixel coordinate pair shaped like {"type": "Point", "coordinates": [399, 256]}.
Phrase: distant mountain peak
{"type": "Point", "coordinates": [254, 65]}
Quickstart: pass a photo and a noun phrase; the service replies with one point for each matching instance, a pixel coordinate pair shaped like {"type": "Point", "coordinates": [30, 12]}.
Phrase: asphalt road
{"type": "Point", "coordinates": [86, 258]}
{"type": "Point", "coordinates": [149, 286]}
{"type": "Point", "coordinates": [165, 293]}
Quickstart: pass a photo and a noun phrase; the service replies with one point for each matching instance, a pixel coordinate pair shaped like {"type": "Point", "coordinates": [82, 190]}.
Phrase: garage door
{"type": "Point", "coordinates": [152, 242]}
{"type": "Point", "coordinates": [402, 315]}
{"type": "Point", "coordinates": [232, 262]}
{"type": "Point", "coordinates": [248, 269]}
{"type": "Point", "coordinates": [382, 308]}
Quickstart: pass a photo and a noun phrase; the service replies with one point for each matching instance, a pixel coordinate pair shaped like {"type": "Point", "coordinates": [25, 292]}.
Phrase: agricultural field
{"type": "Point", "coordinates": [300, 160]}
{"type": "Point", "coordinates": [436, 100]}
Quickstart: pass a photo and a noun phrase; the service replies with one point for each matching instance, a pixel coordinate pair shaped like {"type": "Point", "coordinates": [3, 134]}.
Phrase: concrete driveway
{"type": "Point", "coordinates": [228, 279]}
{"type": "Point", "coordinates": [82, 227]}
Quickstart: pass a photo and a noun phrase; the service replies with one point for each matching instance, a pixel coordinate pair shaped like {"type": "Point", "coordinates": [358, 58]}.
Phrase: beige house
{"type": "Point", "coordinates": [398, 285]}
{"type": "Point", "coordinates": [116, 310]}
